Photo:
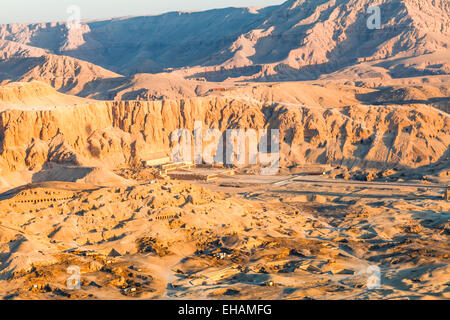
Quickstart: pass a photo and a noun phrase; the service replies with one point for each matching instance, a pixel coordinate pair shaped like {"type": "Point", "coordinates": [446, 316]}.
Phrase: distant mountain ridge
{"type": "Point", "coordinates": [298, 40]}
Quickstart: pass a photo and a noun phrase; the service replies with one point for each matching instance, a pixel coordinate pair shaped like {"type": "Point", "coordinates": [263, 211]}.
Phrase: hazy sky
{"type": "Point", "coordinates": [56, 10]}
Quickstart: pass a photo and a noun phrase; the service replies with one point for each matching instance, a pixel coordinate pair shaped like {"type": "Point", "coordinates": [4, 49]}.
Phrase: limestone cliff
{"type": "Point", "coordinates": [125, 132]}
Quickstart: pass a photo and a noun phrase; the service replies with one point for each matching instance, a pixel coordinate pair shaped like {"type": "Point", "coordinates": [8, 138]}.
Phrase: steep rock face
{"type": "Point", "coordinates": [116, 133]}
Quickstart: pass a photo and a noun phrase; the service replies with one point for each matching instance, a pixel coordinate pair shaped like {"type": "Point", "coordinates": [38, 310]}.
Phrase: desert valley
{"type": "Point", "coordinates": [93, 194]}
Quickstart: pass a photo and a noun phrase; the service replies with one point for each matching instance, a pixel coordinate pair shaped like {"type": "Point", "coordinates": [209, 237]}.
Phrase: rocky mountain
{"type": "Point", "coordinates": [298, 40]}
{"type": "Point", "coordinates": [25, 63]}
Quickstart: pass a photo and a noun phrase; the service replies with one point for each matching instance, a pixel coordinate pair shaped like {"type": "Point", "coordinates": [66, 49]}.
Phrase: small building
{"type": "Point", "coordinates": [218, 89]}
{"type": "Point", "coordinates": [156, 159]}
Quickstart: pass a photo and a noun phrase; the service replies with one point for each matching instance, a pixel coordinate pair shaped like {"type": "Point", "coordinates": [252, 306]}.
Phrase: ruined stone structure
{"type": "Point", "coordinates": [39, 195]}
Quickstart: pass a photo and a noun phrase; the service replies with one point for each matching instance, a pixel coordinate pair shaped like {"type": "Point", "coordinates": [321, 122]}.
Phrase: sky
{"type": "Point", "coordinates": [28, 11]}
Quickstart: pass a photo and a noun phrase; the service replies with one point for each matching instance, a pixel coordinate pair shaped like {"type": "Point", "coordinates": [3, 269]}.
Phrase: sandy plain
{"type": "Point", "coordinates": [288, 236]}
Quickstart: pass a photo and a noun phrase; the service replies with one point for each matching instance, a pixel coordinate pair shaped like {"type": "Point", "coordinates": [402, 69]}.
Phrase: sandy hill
{"type": "Point", "coordinates": [296, 93]}
{"type": "Point", "coordinates": [146, 86]}
{"type": "Point", "coordinates": [34, 95]}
